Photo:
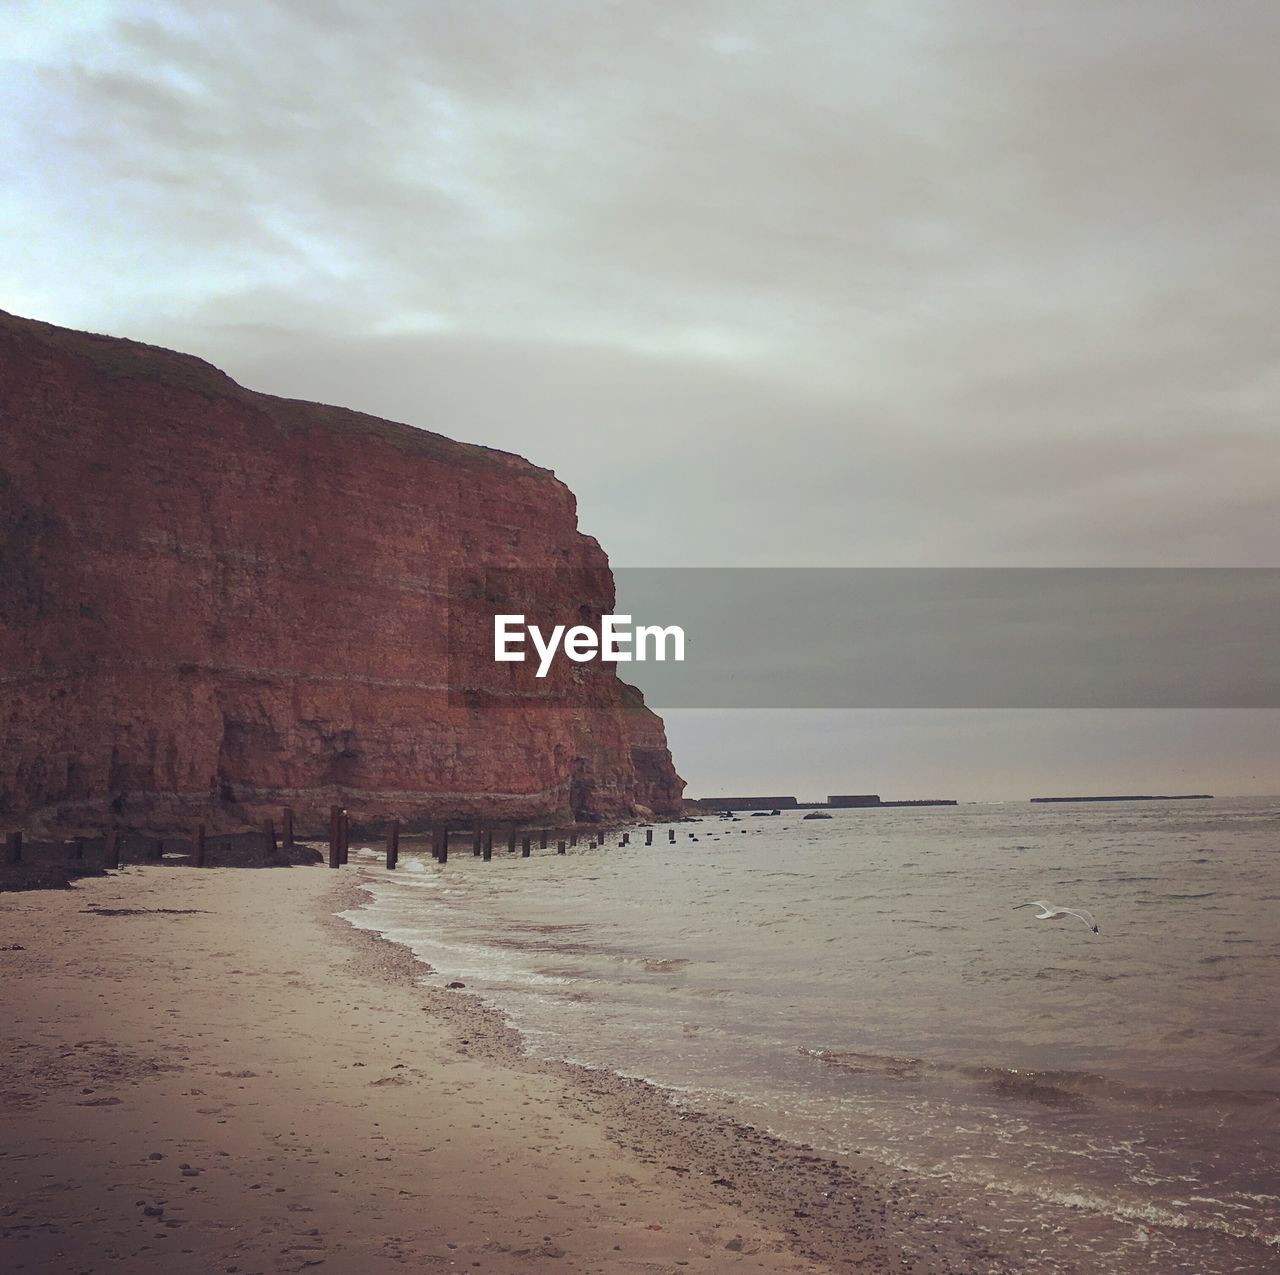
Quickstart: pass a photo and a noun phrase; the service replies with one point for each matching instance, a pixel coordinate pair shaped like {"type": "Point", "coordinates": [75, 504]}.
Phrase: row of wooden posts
{"type": "Point", "coordinates": [113, 847]}
{"type": "Point", "coordinates": [110, 852]}
{"type": "Point", "coordinates": [481, 840]}
{"type": "Point", "coordinates": [339, 841]}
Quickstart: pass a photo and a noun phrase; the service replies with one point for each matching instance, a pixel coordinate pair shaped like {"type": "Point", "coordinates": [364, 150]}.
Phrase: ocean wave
{"type": "Point", "coordinates": [1061, 1088]}
{"type": "Point", "coordinates": [852, 1061]}
{"type": "Point", "coordinates": [1139, 1212]}
{"type": "Point", "coordinates": [662, 964]}
{"type": "Point", "coordinates": [1148, 1213]}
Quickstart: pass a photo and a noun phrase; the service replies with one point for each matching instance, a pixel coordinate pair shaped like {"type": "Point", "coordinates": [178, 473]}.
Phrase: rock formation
{"type": "Point", "coordinates": [215, 602]}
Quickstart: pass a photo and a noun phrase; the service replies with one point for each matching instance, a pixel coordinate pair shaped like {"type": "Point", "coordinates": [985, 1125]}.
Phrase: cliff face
{"type": "Point", "coordinates": [215, 602]}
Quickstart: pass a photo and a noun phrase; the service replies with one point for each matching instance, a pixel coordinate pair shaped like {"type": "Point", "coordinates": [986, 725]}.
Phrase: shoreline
{"type": "Point", "coordinates": [198, 1073]}
{"type": "Point", "coordinates": [834, 1210]}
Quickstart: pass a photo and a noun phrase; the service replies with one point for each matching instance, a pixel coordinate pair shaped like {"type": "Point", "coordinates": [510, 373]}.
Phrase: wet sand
{"type": "Point", "coordinates": [208, 1069]}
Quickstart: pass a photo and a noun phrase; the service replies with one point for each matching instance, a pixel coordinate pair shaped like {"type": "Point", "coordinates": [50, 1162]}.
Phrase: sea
{"type": "Point", "coordinates": [866, 985]}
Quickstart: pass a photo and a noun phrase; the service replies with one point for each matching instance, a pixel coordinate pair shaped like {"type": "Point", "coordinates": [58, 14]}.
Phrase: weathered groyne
{"type": "Point", "coordinates": [214, 603]}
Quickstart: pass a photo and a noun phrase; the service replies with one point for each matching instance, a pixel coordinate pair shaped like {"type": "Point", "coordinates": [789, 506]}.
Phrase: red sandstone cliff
{"type": "Point", "coordinates": [215, 602]}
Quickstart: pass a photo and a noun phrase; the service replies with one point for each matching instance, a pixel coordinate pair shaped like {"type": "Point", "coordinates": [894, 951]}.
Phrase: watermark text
{"type": "Point", "coordinates": [617, 642]}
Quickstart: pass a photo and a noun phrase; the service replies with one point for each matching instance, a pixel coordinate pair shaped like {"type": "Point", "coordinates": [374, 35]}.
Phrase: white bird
{"type": "Point", "coordinates": [1052, 912]}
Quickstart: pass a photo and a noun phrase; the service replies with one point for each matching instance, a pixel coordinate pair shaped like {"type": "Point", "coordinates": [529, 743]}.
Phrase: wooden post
{"type": "Point", "coordinates": [270, 829]}
{"type": "Point", "coordinates": [286, 823]}
{"type": "Point", "coordinates": [511, 839]}
{"type": "Point", "coordinates": [335, 836]}
{"type": "Point", "coordinates": [344, 835]}
{"type": "Point", "coordinates": [13, 848]}
{"type": "Point", "coordinates": [543, 844]}
{"type": "Point", "coordinates": [488, 845]}
{"type": "Point", "coordinates": [573, 838]}
{"type": "Point", "coordinates": [435, 842]}
{"type": "Point", "coordinates": [477, 842]}
{"type": "Point", "coordinates": [525, 843]}
{"type": "Point", "coordinates": [393, 844]}
{"type": "Point", "coordinates": [671, 835]}
{"type": "Point", "coordinates": [111, 851]}
{"type": "Point", "coordinates": [648, 836]}
{"type": "Point", "coordinates": [626, 838]}
{"type": "Point", "coordinates": [559, 847]}
{"type": "Point", "coordinates": [197, 846]}
{"type": "Point", "coordinates": [444, 843]}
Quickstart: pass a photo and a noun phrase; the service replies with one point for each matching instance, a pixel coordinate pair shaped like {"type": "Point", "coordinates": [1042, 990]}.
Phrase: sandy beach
{"type": "Point", "coordinates": [209, 1070]}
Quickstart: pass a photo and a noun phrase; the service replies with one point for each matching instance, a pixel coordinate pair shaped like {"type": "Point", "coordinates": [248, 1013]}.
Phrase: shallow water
{"type": "Point", "coordinates": [864, 984]}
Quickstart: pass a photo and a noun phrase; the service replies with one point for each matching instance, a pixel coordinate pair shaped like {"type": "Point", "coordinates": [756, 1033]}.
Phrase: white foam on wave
{"type": "Point", "coordinates": [447, 956]}
{"type": "Point", "coordinates": [1137, 1212]}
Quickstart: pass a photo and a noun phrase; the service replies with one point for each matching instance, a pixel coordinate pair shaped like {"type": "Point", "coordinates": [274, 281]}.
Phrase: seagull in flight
{"type": "Point", "coordinates": [1051, 912]}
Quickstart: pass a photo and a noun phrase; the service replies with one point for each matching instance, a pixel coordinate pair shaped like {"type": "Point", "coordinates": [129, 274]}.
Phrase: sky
{"type": "Point", "coordinates": [896, 283]}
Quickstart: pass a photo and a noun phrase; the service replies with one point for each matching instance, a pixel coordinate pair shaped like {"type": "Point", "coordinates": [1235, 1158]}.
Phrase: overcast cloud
{"type": "Point", "coordinates": [918, 282]}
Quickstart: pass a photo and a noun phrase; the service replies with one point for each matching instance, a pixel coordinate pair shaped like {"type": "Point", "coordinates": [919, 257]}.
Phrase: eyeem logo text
{"type": "Point", "coordinates": [582, 643]}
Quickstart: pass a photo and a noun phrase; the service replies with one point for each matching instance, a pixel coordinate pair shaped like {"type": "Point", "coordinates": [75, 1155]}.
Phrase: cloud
{"type": "Point", "coordinates": [905, 282]}
{"type": "Point", "coordinates": [955, 283]}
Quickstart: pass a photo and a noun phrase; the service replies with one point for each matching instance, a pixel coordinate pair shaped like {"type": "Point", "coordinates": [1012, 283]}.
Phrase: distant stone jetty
{"type": "Point", "coordinates": [858, 801]}
{"type": "Point", "coordinates": [872, 801]}
{"type": "Point", "coordinates": [747, 803]}
{"type": "Point", "coordinates": [1180, 796]}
